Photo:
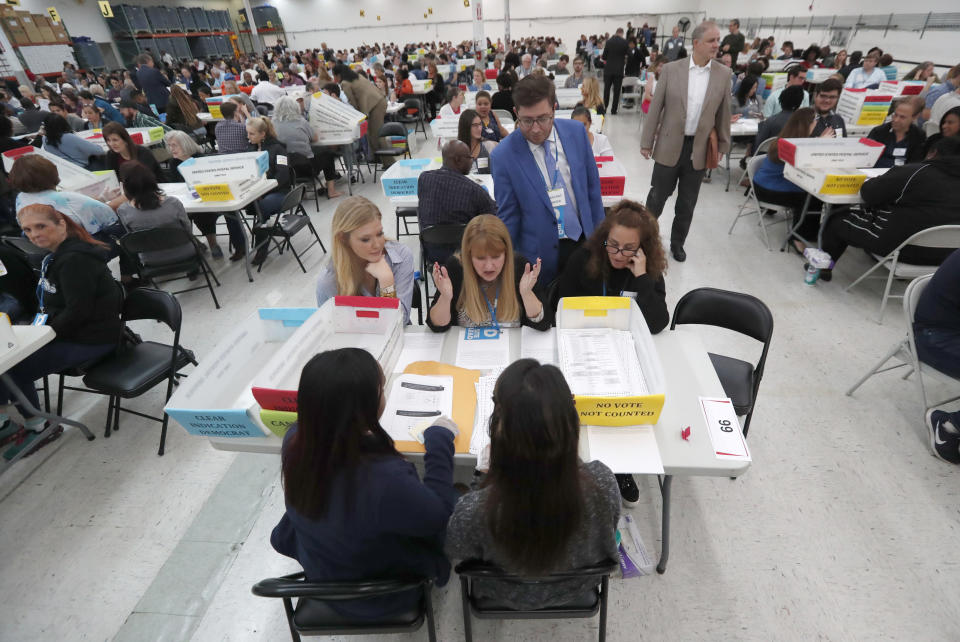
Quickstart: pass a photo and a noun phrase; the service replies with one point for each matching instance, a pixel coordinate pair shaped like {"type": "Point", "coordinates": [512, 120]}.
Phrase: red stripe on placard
{"type": "Point", "coordinates": [366, 302]}
{"type": "Point", "coordinates": [368, 314]}
{"type": "Point", "coordinates": [871, 142]}
{"type": "Point", "coordinates": [786, 150]}
{"type": "Point", "coordinates": [731, 454]}
{"type": "Point", "coordinates": [19, 151]}
{"type": "Point", "coordinates": [603, 159]}
{"type": "Point", "coordinates": [271, 399]}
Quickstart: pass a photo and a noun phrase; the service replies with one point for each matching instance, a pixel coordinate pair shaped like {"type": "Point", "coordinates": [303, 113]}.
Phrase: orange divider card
{"type": "Point", "coordinates": [464, 402]}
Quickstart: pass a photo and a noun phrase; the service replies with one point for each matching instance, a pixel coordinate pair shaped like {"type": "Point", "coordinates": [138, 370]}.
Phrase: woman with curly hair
{"type": "Point", "coordinates": [623, 257]}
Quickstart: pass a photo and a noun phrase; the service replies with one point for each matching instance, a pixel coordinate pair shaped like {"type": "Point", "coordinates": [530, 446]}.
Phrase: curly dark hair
{"type": "Point", "coordinates": [633, 215]}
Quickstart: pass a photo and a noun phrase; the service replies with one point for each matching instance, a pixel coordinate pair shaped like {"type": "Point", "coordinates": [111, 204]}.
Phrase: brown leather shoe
{"type": "Point", "coordinates": [237, 256]}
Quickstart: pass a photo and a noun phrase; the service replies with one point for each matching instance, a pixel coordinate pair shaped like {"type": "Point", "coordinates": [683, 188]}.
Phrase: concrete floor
{"type": "Point", "coordinates": [843, 529]}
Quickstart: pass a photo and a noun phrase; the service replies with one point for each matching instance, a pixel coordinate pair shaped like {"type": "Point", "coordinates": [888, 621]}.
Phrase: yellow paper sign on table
{"type": "Point", "coordinates": [214, 192]}
{"type": "Point", "coordinates": [843, 183]}
{"type": "Point", "coordinates": [53, 14]}
{"type": "Point", "coordinates": [215, 111]}
{"type": "Point", "coordinates": [155, 133]}
{"type": "Point", "coordinates": [278, 421]}
{"type": "Point", "coordinates": [105, 9]}
{"type": "Point", "coordinates": [619, 411]}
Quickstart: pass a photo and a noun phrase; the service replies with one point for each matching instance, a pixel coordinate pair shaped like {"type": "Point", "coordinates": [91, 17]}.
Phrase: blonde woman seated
{"type": "Point", "coordinates": [485, 284]}
{"type": "Point", "coordinates": [364, 262]}
{"type": "Point", "coordinates": [590, 90]}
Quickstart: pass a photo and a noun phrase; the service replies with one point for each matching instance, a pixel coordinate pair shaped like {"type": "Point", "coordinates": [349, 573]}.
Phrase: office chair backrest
{"type": "Point", "coordinates": [156, 305]}
{"type": "Point", "coordinates": [731, 310]}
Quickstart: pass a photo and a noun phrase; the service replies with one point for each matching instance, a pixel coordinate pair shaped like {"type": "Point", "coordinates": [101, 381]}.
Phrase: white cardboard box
{"type": "Point", "coordinates": [809, 153]}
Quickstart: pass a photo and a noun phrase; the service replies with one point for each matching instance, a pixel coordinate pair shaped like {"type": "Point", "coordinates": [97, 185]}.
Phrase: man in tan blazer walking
{"type": "Point", "coordinates": [692, 99]}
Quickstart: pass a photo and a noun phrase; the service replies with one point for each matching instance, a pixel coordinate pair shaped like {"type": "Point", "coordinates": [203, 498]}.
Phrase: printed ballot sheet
{"type": "Point", "coordinates": [416, 398]}
{"type": "Point", "coordinates": [481, 425]}
{"type": "Point", "coordinates": [538, 345]}
{"type": "Point", "coordinates": [483, 348]}
{"type": "Point", "coordinates": [600, 362]}
{"type": "Point", "coordinates": [419, 346]}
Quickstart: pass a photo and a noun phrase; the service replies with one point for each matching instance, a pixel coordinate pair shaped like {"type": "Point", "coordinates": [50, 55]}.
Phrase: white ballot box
{"type": "Point", "coordinates": [608, 357]}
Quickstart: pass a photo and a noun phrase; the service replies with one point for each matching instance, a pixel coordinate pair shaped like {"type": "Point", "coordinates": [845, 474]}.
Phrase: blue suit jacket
{"type": "Point", "coordinates": [522, 201]}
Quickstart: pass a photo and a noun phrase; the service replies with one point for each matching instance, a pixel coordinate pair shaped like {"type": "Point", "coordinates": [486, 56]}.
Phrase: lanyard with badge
{"type": "Point", "coordinates": [41, 317]}
{"type": "Point", "coordinates": [487, 332]}
{"type": "Point", "coordinates": [554, 193]}
{"type": "Point", "coordinates": [623, 292]}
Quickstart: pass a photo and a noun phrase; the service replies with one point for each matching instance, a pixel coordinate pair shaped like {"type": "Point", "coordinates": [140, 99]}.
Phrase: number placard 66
{"type": "Point", "coordinates": [725, 425]}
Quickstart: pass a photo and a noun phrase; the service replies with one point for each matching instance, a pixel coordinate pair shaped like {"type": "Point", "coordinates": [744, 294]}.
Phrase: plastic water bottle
{"type": "Point", "coordinates": [811, 275]}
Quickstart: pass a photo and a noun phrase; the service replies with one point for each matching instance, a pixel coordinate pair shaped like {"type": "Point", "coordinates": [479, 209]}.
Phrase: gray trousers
{"type": "Point", "coordinates": [665, 180]}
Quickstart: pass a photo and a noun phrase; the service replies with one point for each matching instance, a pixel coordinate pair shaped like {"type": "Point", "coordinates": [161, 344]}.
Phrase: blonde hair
{"type": "Point", "coordinates": [352, 214]}
{"type": "Point", "coordinates": [591, 93]}
{"type": "Point", "coordinates": [263, 125]}
{"type": "Point", "coordinates": [487, 235]}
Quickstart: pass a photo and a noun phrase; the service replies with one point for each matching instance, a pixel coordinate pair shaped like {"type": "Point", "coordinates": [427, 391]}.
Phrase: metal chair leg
{"type": "Point", "coordinates": [465, 605]}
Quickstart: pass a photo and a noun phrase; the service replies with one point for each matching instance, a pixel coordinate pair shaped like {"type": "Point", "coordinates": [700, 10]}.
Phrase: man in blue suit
{"type": "Point", "coordinates": [546, 180]}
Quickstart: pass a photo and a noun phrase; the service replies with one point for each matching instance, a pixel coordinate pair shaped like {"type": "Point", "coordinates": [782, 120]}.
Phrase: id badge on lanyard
{"type": "Point", "coordinates": [41, 316]}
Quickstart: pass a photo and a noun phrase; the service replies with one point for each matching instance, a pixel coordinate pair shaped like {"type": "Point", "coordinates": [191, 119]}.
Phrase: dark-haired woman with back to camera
{"type": "Point", "coordinates": [355, 508]}
{"type": "Point", "coordinates": [540, 509]}
{"type": "Point", "coordinates": [147, 208]}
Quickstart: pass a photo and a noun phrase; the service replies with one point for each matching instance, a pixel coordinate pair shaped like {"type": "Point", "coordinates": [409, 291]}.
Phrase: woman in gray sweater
{"type": "Point", "coordinates": [540, 509]}
{"type": "Point", "coordinates": [147, 208]}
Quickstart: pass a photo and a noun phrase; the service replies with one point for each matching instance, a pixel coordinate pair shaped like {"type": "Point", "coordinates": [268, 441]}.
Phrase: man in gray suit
{"type": "Point", "coordinates": [692, 99]}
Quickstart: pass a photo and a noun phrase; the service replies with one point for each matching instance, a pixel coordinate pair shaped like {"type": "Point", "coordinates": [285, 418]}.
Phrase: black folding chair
{"type": "Point", "coordinates": [313, 615]}
{"type": "Point", "coordinates": [136, 368]}
{"type": "Point", "coordinates": [288, 221]}
{"type": "Point", "coordinates": [407, 215]}
{"type": "Point", "coordinates": [415, 106]}
{"type": "Point", "coordinates": [741, 313]}
{"type": "Point", "coordinates": [33, 253]}
{"type": "Point", "coordinates": [582, 606]}
{"type": "Point", "coordinates": [182, 257]}
{"type": "Point", "coordinates": [303, 173]}
{"type": "Point", "coordinates": [437, 243]}
{"type": "Point", "coordinates": [416, 303]}
{"type": "Point", "coordinates": [391, 130]}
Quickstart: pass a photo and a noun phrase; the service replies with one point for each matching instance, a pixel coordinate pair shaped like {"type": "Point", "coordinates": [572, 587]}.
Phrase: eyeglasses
{"type": "Point", "coordinates": [613, 249]}
{"type": "Point", "coordinates": [543, 121]}
{"type": "Point", "coordinates": [476, 124]}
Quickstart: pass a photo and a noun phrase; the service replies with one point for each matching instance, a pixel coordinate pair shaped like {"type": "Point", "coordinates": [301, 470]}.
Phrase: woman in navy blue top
{"type": "Point", "coordinates": [770, 184]}
{"type": "Point", "coordinates": [356, 509]}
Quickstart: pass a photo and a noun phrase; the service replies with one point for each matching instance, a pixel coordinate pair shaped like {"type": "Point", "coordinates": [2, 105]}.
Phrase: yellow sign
{"type": "Point", "coordinates": [243, 17]}
{"type": "Point", "coordinates": [378, 18]}
{"type": "Point", "coordinates": [155, 133]}
{"type": "Point", "coordinates": [363, 13]}
{"type": "Point", "coordinates": [430, 10]}
{"type": "Point", "coordinates": [105, 9]}
{"type": "Point", "coordinates": [619, 411]}
{"type": "Point", "coordinates": [278, 421]}
{"type": "Point", "coordinates": [214, 192]}
{"type": "Point", "coordinates": [53, 14]}
{"type": "Point", "coordinates": [843, 183]}
{"type": "Point", "coordinates": [269, 24]}
{"type": "Point", "coordinates": [15, 3]}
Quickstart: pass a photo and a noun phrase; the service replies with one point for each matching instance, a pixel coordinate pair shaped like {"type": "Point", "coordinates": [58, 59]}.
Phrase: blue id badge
{"type": "Point", "coordinates": [479, 334]}
{"type": "Point", "coordinates": [40, 319]}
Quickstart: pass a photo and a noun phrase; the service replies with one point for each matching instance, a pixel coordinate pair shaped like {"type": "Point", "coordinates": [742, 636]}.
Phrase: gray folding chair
{"type": "Point", "coordinates": [905, 351]}
{"type": "Point", "coordinates": [759, 206]}
{"type": "Point", "coordinates": [940, 237]}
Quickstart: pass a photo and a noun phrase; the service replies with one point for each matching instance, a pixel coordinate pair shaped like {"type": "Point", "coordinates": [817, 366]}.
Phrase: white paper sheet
{"type": "Point", "coordinates": [481, 423]}
{"type": "Point", "coordinates": [482, 354]}
{"type": "Point", "coordinates": [415, 398]}
{"type": "Point", "coordinates": [419, 346]}
{"type": "Point", "coordinates": [625, 449]}
{"type": "Point", "coordinates": [600, 362]}
{"type": "Point", "coordinates": [538, 345]}
{"type": "Point", "coordinates": [723, 426]}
